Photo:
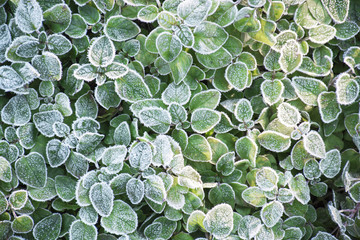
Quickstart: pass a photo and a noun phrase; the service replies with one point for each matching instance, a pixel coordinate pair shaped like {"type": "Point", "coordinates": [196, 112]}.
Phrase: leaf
{"type": "Point", "coordinates": [246, 20]}
{"type": "Point", "coordinates": [18, 199]}
{"type": "Point", "coordinates": [79, 229]}
{"type": "Point", "coordinates": [193, 12]}
{"type": "Point", "coordinates": [312, 170]}
{"type": "Point", "coordinates": [314, 144]}
{"type": "Point", "coordinates": [290, 57]}
{"type": "Point", "coordinates": [265, 34]}
{"type": "Point", "coordinates": [58, 44]}
{"type": "Point", "coordinates": [58, 17]}
{"type": "Point", "coordinates": [131, 87]}
{"type": "Point", "coordinates": [198, 149]}
{"type": "Point", "coordinates": [119, 28]}
{"type": "Point", "coordinates": [226, 164]}
{"type": "Point", "coordinates": [57, 153]}
{"type": "Point", "coordinates": [157, 119]}
{"type": "Point", "coordinates": [106, 96]}
{"type": "Point", "coordinates": [323, 236]}
{"type": "Point", "coordinates": [45, 193]}
{"type": "Point", "coordinates": [31, 170]}
{"type": "Point", "coordinates": [271, 213]}
{"type": "Point", "coordinates": [266, 179]}
{"type": "Point", "coordinates": [195, 221]}
{"type": "Point", "coordinates": [346, 30]}
{"type": "Point", "coordinates": [246, 148]}
{"type": "Point", "coordinates": [249, 226]}
{"type": "Point", "coordinates": [300, 188]}
{"type": "Point", "coordinates": [236, 74]}
{"type": "Point", "coordinates": [288, 114]}
{"type": "Point", "coordinates": [274, 141]}
{"type": "Point", "coordinates": [347, 89]}
{"type": "Point", "coordinates": [16, 111]}
{"type": "Point", "coordinates": [179, 93]}
{"type": "Point", "coordinates": [189, 177]}
{"type": "Point", "coordinates": [88, 215]}
{"type": "Point", "coordinates": [102, 198]}
{"type": "Point", "coordinates": [28, 16]}
{"type": "Point", "coordinates": [88, 142]}
{"type": "Point", "coordinates": [48, 228]}
{"type": "Point", "coordinates": [308, 89]}
{"type": "Point", "coordinates": [122, 134]}
{"type": "Point", "coordinates": [77, 28]}
{"type": "Point", "coordinates": [48, 65]}
{"type": "Point", "coordinates": [338, 10]}
{"type": "Point", "coordinates": [329, 108]}
{"type": "Point", "coordinates": [354, 192]}
{"type": "Point", "coordinates": [163, 152]}
{"type": "Point", "coordinates": [166, 20]}
{"type": "Point", "coordinates": [180, 66]}
{"type": "Point", "coordinates": [22, 224]}
{"type": "Point", "coordinates": [155, 189]}
{"type": "Point", "coordinates": [65, 187]}
{"type": "Point", "coordinates": [168, 46]}
{"type": "Point", "coordinates": [203, 120]}
{"type": "Point", "coordinates": [322, 34]}
{"type": "Point", "coordinates": [272, 91]}
{"type": "Point", "coordinates": [222, 193]}
{"type": "Point", "coordinates": [254, 196]}
{"type": "Point", "coordinates": [101, 52]}
{"type": "Point", "coordinates": [186, 36]}
{"type": "Point", "coordinates": [140, 156]}
{"type": "Point", "coordinates": [135, 190]}
{"type": "Point", "coordinates": [330, 166]}
{"type": "Point", "coordinates": [148, 13]}
{"type": "Point", "coordinates": [209, 37]}
{"type": "Point", "coordinates": [219, 221]}
{"type": "Point", "coordinates": [243, 110]}
{"type": "Point", "coordinates": [205, 99]}
{"type": "Point", "coordinates": [5, 170]}
{"type": "Point", "coordinates": [218, 59]}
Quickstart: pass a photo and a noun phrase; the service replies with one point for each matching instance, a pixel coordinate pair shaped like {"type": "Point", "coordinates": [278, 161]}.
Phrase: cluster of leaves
{"type": "Point", "coordinates": [179, 119]}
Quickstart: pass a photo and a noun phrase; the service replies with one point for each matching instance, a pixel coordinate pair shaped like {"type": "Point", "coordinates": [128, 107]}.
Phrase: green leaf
{"type": "Point", "coordinates": [318, 11]}
{"type": "Point", "coordinates": [88, 142]}
{"type": "Point", "coordinates": [58, 18]}
{"type": "Point", "coordinates": [48, 65]}
{"type": "Point", "coordinates": [276, 10]}
{"type": "Point", "coordinates": [246, 20]}
{"type": "Point", "coordinates": [323, 236]}
{"type": "Point", "coordinates": [337, 9]}
{"type": "Point", "coordinates": [265, 34]}
{"type": "Point", "coordinates": [266, 179]}
{"type": "Point", "coordinates": [290, 57]}
{"type": "Point", "coordinates": [193, 12]}
{"type": "Point", "coordinates": [203, 120]}
{"type": "Point", "coordinates": [119, 28]}
{"type": "Point", "coordinates": [5, 170]}
{"type": "Point", "coordinates": [85, 106]}
{"type": "Point", "coordinates": [314, 144]}
{"type": "Point", "coordinates": [79, 229]}
{"type": "Point", "coordinates": [22, 224]}
{"type": "Point", "coordinates": [185, 35]}
{"type": "Point", "coordinates": [243, 110]}
{"type": "Point", "coordinates": [246, 148]}
{"type": "Point", "coordinates": [329, 108]}
{"type": "Point", "coordinates": [222, 193]}
{"type": "Point", "coordinates": [271, 213]}
{"type": "Point", "coordinates": [346, 30]}
{"type": "Point", "coordinates": [135, 190]}
{"type": "Point", "coordinates": [77, 28]}
{"type": "Point", "coordinates": [179, 94]}
{"type": "Point", "coordinates": [48, 228]}
{"type": "Point", "coordinates": [322, 34]}
{"type": "Point", "coordinates": [65, 187]}
{"type": "Point", "coordinates": [45, 193]}
{"type": "Point", "coordinates": [274, 141]}
{"type": "Point", "coordinates": [288, 114]}
{"type": "Point", "coordinates": [312, 169]}
{"type": "Point", "coordinates": [101, 52]}
{"type": "Point", "coordinates": [132, 87]}
{"type": "Point", "coordinates": [189, 177]}
{"type": "Point", "coordinates": [209, 37]}
{"type": "Point", "coordinates": [16, 111]}
{"type": "Point", "coordinates": [122, 134]}
{"type": "Point", "coordinates": [28, 16]}
{"type": "Point", "coordinates": [226, 164]}
{"type": "Point", "coordinates": [58, 44]}
{"type": "Point", "coordinates": [180, 66]}
{"type": "Point", "coordinates": [11, 79]}
{"type": "Point", "coordinates": [148, 13]}
{"type": "Point", "coordinates": [347, 89]}
{"type": "Point", "coordinates": [272, 91]}
{"type": "Point", "coordinates": [31, 170]}
{"type": "Point", "coordinates": [166, 20]}
{"type": "Point", "coordinates": [198, 149]}
{"type": "Point", "coordinates": [354, 192]}
{"type": "Point", "coordinates": [249, 227]}
{"type": "Point", "coordinates": [155, 189]}
{"type": "Point", "coordinates": [141, 156]}
{"type": "Point", "coordinates": [195, 221]}
{"type": "Point", "coordinates": [300, 188]}
{"type": "Point", "coordinates": [330, 166]}
{"type": "Point", "coordinates": [106, 96]}
{"type": "Point", "coordinates": [56, 152]}
{"type": "Point", "coordinates": [219, 221]}
{"type": "Point", "coordinates": [308, 89]}
{"type": "Point", "coordinates": [236, 74]}
{"type": "Point", "coordinates": [157, 119]}
{"type": "Point", "coordinates": [218, 59]}
{"type": "Point", "coordinates": [102, 198]}
{"type": "Point", "coordinates": [168, 46]}
{"type": "Point", "coordinates": [254, 196]}
{"type": "Point", "coordinates": [18, 199]}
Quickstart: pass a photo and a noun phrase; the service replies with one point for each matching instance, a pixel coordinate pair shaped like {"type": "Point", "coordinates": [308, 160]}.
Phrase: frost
{"type": "Point", "coordinates": [5, 37]}
{"type": "Point", "coordinates": [176, 94]}
{"type": "Point", "coordinates": [157, 119]}
{"type": "Point", "coordinates": [290, 57]}
{"type": "Point", "coordinates": [329, 108]}
{"type": "Point", "coordinates": [272, 91]}
{"type": "Point", "coordinates": [135, 190]}
{"type": "Point", "coordinates": [256, 3]}
{"type": "Point", "coordinates": [88, 142]}
{"type": "Point", "coordinates": [28, 16]}
{"type": "Point", "coordinates": [254, 196]}
{"type": "Point", "coordinates": [31, 170]}
{"type": "Point", "coordinates": [85, 125]}
{"type": "Point", "coordinates": [246, 148]}
{"type": "Point", "coordinates": [119, 28]}
{"type": "Point", "coordinates": [180, 66]}
{"type": "Point", "coordinates": [219, 220]}
{"type": "Point", "coordinates": [312, 170]}
{"type": "Point", "coordinates": [116, 70]}
{"type": "Point", "coordinates": [114, 155]}
{"type": "Point", "coordinates": [308, 89]}
{"type": "Point", "coordinates": [166, 20]}
{"type": "Point", "coordinates": [17, 199]}
{"type": "Point", "coordinates": [177, 112]}
{"type": "Point", "coordinates": [57, 153]}
{"type": "Point", "coordinates": [322, 34]}
{"type": "Point", "coordinates": [347, 89]}
{"type": "Point", "coordinates": [203, 120]}
{"type": "Point", "coordinates": [5, 170]}
{"type": "Point", "coordinates": [102, 198]}
{"type": "Point", "coordinates": [106, 96]}
{"type": "Point", "coordinates": [330, 166]}
{"type": "Point", "coordinates": [88, 215]}
{"type": "Point", "coordinates": [22, 224]}
{"type": "Point", "coordinates": [195, 221]}
{"type": "Point", "coordinates": [148, 14]}
{"type": "Point", "coordinates": [285, 195]}
{"type": "Point", "coordinates": [346, 30]}
{"type": "Point", "coordinates": [338, 10]}
{"type": "Point", "coordinates": [300, 188]}
{"type": "Point", "coordinates": [314, 144]}
{"type": "Point", "coordinates": [85, 106]}
{"type": "Point", "coordinates": [163, 152]}
{"type": "Point", "coordinates": [16, 111]}
{"type": "Point", "coordinates": [198, 149]}
{"type": "Point", "coordinates": [77, 165]}
{"type": "Point", "coordinates": [141, 156]}
{"type": "Point", "coordinates": [193, 11]}
{"type": "Point", "coordinates": [122, 135]}
{"type": "Point", "coordinates": [274, 141]}
{"type": "Point", "coordinates": [48, 65]}
{"type": "Point", "coordinates": [101, 52]}
{"type": "Point", "coordinates": [86, 72]}
{"type": "Point", "coordinates": [45, 193]}
{"type": "Point", "coordinates": [205, 99]}
{"type": "Point", "coordinates": [65, 187]}
{"type": "Point", "coordinates": [249, 227]}
{"type": "Point", "coordinates": [243, 110]}
{"type": "Point", "coordinates": [79, 229]}
{"type": "Point", "coordinates": [271, 213]}
{"type": "Point", "coordinates": [267, 179]}
{"type": "Point", "coordinates": [10, 79]}
{"type": "Point", "coordinates": [168, 46]}
{"type": "Point", "coordinates": [48, 228]}
{"type": "Point", "coordinates": [189, 177]}
{"type": "Point", "coordinates": [209, 37]}
{"type": "Point", "coordinates": [288, 115]}
{"type": "Point", "coordinates": [58, 44]}
{"type": "Point", "coordinates": [237, 76]}
{"type": "Point", "coordinates": [226, 164]}
{"type": "Point", "coordinates": [58, 17]}
{"type": "Point", "coordinates": [185, 35]}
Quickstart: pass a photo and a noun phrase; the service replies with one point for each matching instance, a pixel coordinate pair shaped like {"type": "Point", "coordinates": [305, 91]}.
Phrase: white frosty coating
{"type": "Point", "coordinates": [106, 96]}
{"type": "Point", "coordinates": [272, 91]}
{"type": "Point", "coordinates": [337, 9]}
{"type": "Point", "coordinates": [290, 56]}
{"type": "Point", "coordinates": [346, 30]}
{"type": "Point", "coordinates": [88, 215]}
{"type": "Point", "coordinates": [114, 155]}
{"type": "Point", "coordinates": [10, 79]}
{"type": "Point", "coordinates": [209, 37]}
{"type": "Point", "coordinates": [17, 199]}
{"type": "Point", "coordinates": [101, 52]}
{"type": "Point", "coordinates": [195, 221]}
{"type": "Point", "coordinates": [178, 113]}
{"type": "Point", "coordinates": [65, 187]}
{"type": "Point", "coordinates": [155, 189]}
{"type": "Point", "coordinates": [84, 125]}
{"type": "Point", "coordinates": [176, 94]}
{"type": "Point", "coordinates": [80, 230]}
{"type": "Point", "coordinates": [58, 44]}
{"type": "Point", "coordinates": [347, 89]}
{"type": "Point", "coordinates": [56, 152]}
{"type": "Point", "coordinates": [219, 220]}
{"type": "Point", "coordinates": [225, 164]}
{"type": "Point", "coordinates": [246, 148]}
{"type": "Point", "coordinates": [271, 213]}
{"type": "Point", "coordinates": [157, 119]}
{"type": "Point", "coordinates": [168, 45]}
{"type": "Point", "coordinates": [266, 179]}
{"type": "Point", "coordinates": [48, 228]}
{"type": "Point", "coordinates": [181, 66]}
{"type": "Point", "coordinates": [62, 103]}
{"type": "Point", "coordinates": [300, 188]}
{"type": "Point", "coordinates": [135, 190]}
{"type": "Point", "coordinates": [185, 35]}
{"type": "Point", "coordinates": [314, 144]}
{"type": "Point", "coordinates": [141, 156]}
{"type": "Point", "coordinates": [205, 99]}
{"type": "Point", "coordinates": [28, 16]}
{"type": "Point", "coordinates": [122, 134]}
{"type": "Point", "coordinates": [254, 196]}
{"type": "Point", "coordinates": [48, 65]}
{"type": "Point", "coordinates": [116, 70]}
{"type": "Point", "coordinates": [322, 34]}
{"type": "Point", "coordinates": [5, 37]}
{"type": "Point", "coordinates": [175, 198]}
{"type": "Point", "coordinates": [189, 177]}
{"type": "Point", "coordinates": [86, 106]}
{"type": "Point", "coordinates": [248, 59]}
{"type": "Point", "coordinates": [193, 11]}
{"type": "Point", "coordinates": [119, 28]}
{"type": "Point", "coordinates": [308, 89]}
{"type": "Point", "coordinates": [282, 38]}
{"type": "Point", "coordinates": [148, 14]}
{"type": "Point", "coordinates": [203, 119]}
{"type": "Point", "coordinates": [274, 141]}
{"type": "Point", "coordinates": [249, 227]}
{"type": "Point", "coordinates": [88, 142]}
{"type": "Point", "coordinates": [312, 170]}
{"type": "Point", "coordinates": [16, 112]}
{"type": "Point", "coordinates": [86, 72]}
{"type": "Point", "coordinates": [285, 195]}
{"type": "Point", "coordinates": [163, 154]}
{"type": "Point", "coordinates": [243, 110]}
{"type": "Point", "coordinates": [256, 3]}
{"type": "Point", "coordinates": [102, 197]}
{"type": "Point", "coordinates": [44, 120]}
{"type": "Point", "coordinates": [329, 107]}
{"type": "Point", "coordinates": [288, 114]}
{"type": "Point", "coordinates": [330, 166]}
{"type": "Point", "coordinates": [198, 149]}
{"type": "Point", "coordinates": [237, 76]}
{"type": "Point", "coordinates": [5, 170]}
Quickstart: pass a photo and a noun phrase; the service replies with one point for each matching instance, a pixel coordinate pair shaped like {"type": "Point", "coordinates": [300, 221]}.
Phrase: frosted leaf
{"type": "Point", "coordinates": [338, 10]}
{"type": "Point", "coordinates": [226, 164]}
{"type": "Point", "coordinates": [18, 199]}
{"type": "Point", "coordinates": [246, 20]}
{"type": "Point", "coordinates": [5, 37]}
{"type": "Point", "coordinates": [102, 198]}
{"type": "Point", "coordinates": [304, 18]}
{"type": "Point", "coordinates": [300, 188]}
{"type": "Point", "coordinates": [193, 11]}
{"type": "Point", "coordinates": [62, 103]}
{"type": "Point", "coordinates": [22, 224]}
{"type": "Point", "coordinates": [175, 198]}
{"type": "Point", "coordinates": [288, 114]}
{"type": "Point", "coordinates": [282, 38]}
{"type": "Point", "coordinates": [31, 170]}
{"type": "Point", "coordinates": [77, 165]}
{"type": "Point", "coordinates": [104, 5]}
{"type": "Point", "coordinates": [140, 156]}
{"type": "Point", "coordinates": [157, 119]}
{"type": "Point", "coordinates": [86, 72]}
{"type": "Point", "coordinates": [116, 70]}
{"type": "Point", "coordinates": [148, 14]}
{"type": "Point", "coordinates": [285, 195]}
{"type": "Point", "coordinates": [312, 170]}
{"type": "Point", "coordinates": [198, 149]}
{"type": "Point", "coordinates": [299, 155]}
{"type": "Point", "coordinates": [85, 125]}
{"type": "Point", "coordinates": [48, 228]}
{"type": "Point", "coordinates": [314, 144]}
{"type": "Point", "coordinates": [274, 141]}
{"type": "Point", "coordinates": [86, 106]}
{"type": "Point", "coordinates": [5, 170]}
{"type": "Point", "coordinates": [272, 91]}
{"type": "Point", "coordinates": [329, 108]}
{"type": "Point", "coordinates": [243, 110]}
{"type": "Point", "coordinates": [209, 37]}
{"type": "Point", "coordinates": [216, 60]}
{"type": "Point", "coordinates": [48, 65]}
{"type": "Point", "coordinates": [135, 190]}
{"type": "Point", "coordinates": [254, 196]}
{"type": "Point", "coordinates": [205, 99]}
{"type": "Point", "coordinates": [57, 153]}
{"type": "Point", "coordinates": [236, 74]}
{"type": "Point", "coordinates": [164, 229]}
{"type": "Point", "coordinates": [88, 142]}
{"type": "Point", "coordinates": [122, 134]}
{"type": "Point", "coordinates": [308, 89]}
{"type": "Point", "coordinates": [46, 89]}
{"type": "Point", "coordinates": [163, 152]}
{"type": "Point", "coordinates": [101, 52]}
{"type": "Point", "coordinates": [181, 66]}
{"type": "Point", "coordinates": [155, 189]}
{"type": "Point", "coordinates": [10, 79]}
{"type": "Point", "coordinates": [27, 135]}
{"type": "Point", "coordinates": [176, 94]}
{"type": "Point", "coordinates": [58, 44]}
{"type": "Point", "coordinates": [168, 46]}
{"type": "Point", "coordinates": [290, 57]}
{"type": "Point", "coordinates": [354, 192]}
{"type": "Point", "coordinates": [106, 96]}
{"type": "Point", "coordinates": [189, 177]}
{"type": "Point", "coordinates": [114, 155]}
{"type": "Point", "coordinates": [131, 87]}
{"type": "Point", "coordinates": [16, 111]}
{"type": "Point", "coordinates": [219, 221]}
{"type": "Point", "coordinates": [267, 179]}
{"type": "Point", "coordinates": [246, 148]}
{"type": "Point", "coordinates": [256, 3]}
{"type": "Point", "coordinates": [271, 213]}
{"type": "Point", "coordinates": [346, 30]}
{"type": "Point", "coordinates": [249, 227]}
{"type": "Point", "coordinates": [322, 34]}
{"type": "Point", "coordinates": [195, 221]}
{"type": "Point", "coordinates": [119, 28]}
{"type": "Point", "coordinates": [80, 230]}
{"type": "Point", "coordinates": [166, 20]}
{"type": "Point", "coordinates": [185, 35]}
{"type": "Point", "coordinates": [330, 166]}
{"type": "Point", "coordinates": [347, 89]}
{"type": "Point", "coordinates": [28, 16]}
{"type": "Point", "coordinates": [88, 215]}
{"type": "Point", "coordinates": [324, 236]}
{"type": "Point", "coordinates": [58, 17]}
{"type": "Point", "coordinates": [203, 120]}
{"type": "Point", "coordinates": [271, 61]}
{"type": "Point", "coordinates": [45, 193]}
{"type": "Point", "coordinates": [65, 187]}
{"type": "Point", "coordinates": [177, 112]}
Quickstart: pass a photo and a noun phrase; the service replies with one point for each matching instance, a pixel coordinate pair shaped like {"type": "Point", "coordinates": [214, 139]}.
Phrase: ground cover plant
{"type": "Point", "coordinates": [179, 119]}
